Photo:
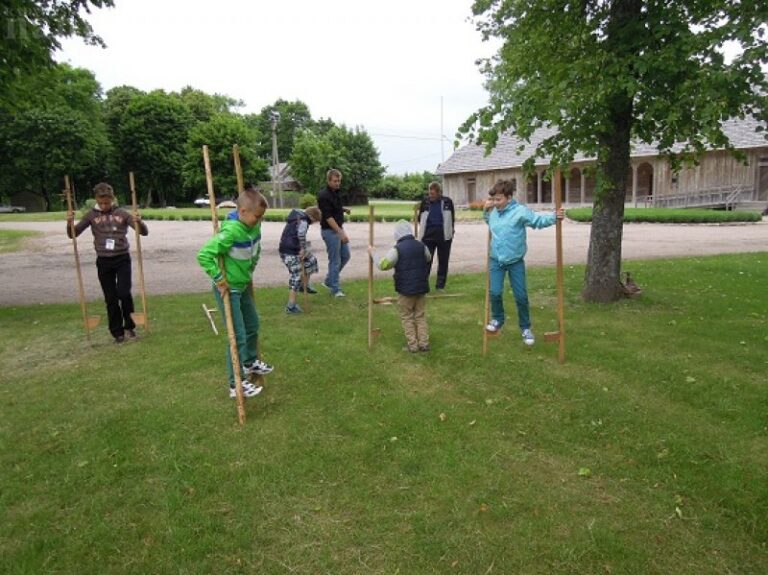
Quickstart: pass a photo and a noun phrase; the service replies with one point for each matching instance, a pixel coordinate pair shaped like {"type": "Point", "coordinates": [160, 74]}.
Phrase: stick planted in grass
{"type": "Point", "coordinates": [225, 297]}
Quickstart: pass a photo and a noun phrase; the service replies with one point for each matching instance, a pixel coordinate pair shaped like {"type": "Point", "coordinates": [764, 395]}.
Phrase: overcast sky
{"type": "Point", "coordinates": [384, 66]}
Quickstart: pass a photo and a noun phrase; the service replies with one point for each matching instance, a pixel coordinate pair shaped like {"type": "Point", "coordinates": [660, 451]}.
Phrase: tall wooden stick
{"type": "Point", "coordinates": [136, 227]}
{"type": "Point", "coordinates": [487, 313]}
{"type": "Point", "coordinates": [416, 220]}
{"type": "Point", "coordinates": [225, 296]}
{"type": "Point", "coordinates": [370, 279]}
{"type": "Point", "coordinates": [240, 188]}
{"type": "Point", "coordinates": [559, 264]}
{"type": "Point", "coordinates": [80, 290]}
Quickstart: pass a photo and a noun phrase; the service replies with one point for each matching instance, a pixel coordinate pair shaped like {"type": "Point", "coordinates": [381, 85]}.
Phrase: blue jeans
{"type": "Point", "coordinates": [338, 256]}
{"type": "Point", "coordinates": [245, 320]}
{"type": "Point", "coordinates": [516, 273]}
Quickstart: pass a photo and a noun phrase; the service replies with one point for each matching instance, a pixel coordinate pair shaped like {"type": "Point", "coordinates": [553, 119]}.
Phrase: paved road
{"type": "Point", "coordinates": [44, 271]}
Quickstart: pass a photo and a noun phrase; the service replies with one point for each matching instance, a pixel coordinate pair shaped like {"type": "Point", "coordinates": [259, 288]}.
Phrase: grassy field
{"type": "Point", "coordinates": [645, 453]}
{"type": "Point", "coordinates": [13, 240]}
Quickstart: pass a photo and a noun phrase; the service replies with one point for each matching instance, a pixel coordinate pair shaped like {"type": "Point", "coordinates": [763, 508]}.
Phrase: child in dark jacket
{"type": "Point", "coordinates": [109, 225]}
{"type": "Point", "coordinates": [410, 258]}
{"type": "Point", "coordinates": [295, 254]}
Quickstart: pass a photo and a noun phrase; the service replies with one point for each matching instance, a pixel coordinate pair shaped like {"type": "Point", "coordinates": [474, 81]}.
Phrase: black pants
{"type": "Point", "coordinates": [115, 280]}
{"type": "Point", "coordinates": [433, 239]}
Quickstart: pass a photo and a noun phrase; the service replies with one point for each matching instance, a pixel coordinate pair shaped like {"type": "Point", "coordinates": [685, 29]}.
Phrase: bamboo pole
{"type": "Point", "coordinates": [88, 322]}
{"type": "Point", "coordinates": [559, 256]}
{"type": "Point", "coordinates": [225, 296]}
{"type": "Point", "coordinates": [240, 188]}
{"type": "Point", "coordinates": [370, 279]}
{"type": "Point", "coordinates": [416, 220]}
{"type": "Point", "coordinates": [143, 317]}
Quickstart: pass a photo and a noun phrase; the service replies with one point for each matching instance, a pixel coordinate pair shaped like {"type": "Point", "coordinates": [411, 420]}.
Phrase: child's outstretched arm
{"type": "Point", "coordinates": [387, 262]}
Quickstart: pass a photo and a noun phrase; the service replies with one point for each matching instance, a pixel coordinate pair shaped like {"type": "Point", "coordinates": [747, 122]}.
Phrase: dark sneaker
{"type": "Point", "coordinates": [249, 390]}
{"type": "Point", "coordinates": [310, 289]}
{"type": "Point", "coordinates": [292, 309]}
{"type": "Point", "coordinates": [131, 334]}
{"type": "Point", "coordinates": [259, 368]}
{"type": "Point", "coordinates": [424, 347]}
{"type": "Point", "coordinates": [119, 338]}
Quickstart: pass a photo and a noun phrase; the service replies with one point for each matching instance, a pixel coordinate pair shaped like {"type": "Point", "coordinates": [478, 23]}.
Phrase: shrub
{"type": "Point", "coordinates": [307, 200]}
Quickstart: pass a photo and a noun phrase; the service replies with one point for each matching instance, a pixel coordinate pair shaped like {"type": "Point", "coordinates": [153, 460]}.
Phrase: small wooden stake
{"type": "Point", "coordinates": [208, 311]}
{"type": "Point", "coordinates": [227, 304]}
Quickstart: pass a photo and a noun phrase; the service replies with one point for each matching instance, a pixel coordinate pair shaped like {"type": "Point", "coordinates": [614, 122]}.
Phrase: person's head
{"type": "Point", "coordinates": [402, 229]}
{"type": "Point", "coordinates": [105, 196]}
{"type": "Point", "coordinates": [502, 193]}
{"type": "Point", "coordinates": [251, 205]}
{"type": "Point", "coordinates": [434, 191]}
{"type": "Point", "coordinates": [314, 214]}
{"type": "Point", "coordinates": [333, 178]}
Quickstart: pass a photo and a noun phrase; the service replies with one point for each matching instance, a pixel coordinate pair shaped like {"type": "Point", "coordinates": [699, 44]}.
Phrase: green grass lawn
{"type": "Point", "coordinates": [12, 240]}
{"type": "Point", "coordinates": [645, 453]}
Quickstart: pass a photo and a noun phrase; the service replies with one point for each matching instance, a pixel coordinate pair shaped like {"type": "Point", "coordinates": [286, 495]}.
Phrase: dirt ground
{"type": "Point", "coordinates": [44, 271]}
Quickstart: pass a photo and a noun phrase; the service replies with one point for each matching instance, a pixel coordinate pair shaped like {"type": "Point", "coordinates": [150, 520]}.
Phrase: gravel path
{"type": "Point", "coordinates": [44, 271]}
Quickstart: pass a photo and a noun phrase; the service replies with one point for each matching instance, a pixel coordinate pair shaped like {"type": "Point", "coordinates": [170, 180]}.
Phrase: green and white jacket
{"type": "Point", "coordinates": [240, 247]}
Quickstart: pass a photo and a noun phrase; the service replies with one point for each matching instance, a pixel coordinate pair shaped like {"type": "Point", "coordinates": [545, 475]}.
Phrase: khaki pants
{"type": "Point", "coordinates": [414, 320]}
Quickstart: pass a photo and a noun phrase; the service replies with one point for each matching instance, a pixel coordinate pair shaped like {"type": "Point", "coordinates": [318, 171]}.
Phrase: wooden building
{"type": "Point", "coordinates": [720, 180]}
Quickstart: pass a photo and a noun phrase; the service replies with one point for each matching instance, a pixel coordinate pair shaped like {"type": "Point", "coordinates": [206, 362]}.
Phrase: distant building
{"type": "Point", "coordinates": [718, 180]}
{"type": "Point", "coordinates": [285, 180]}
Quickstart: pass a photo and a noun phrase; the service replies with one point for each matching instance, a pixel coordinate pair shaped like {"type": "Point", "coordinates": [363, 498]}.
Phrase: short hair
{"type": "Point", "coordinates": [332, 172]}
{"type": "Point", "coordinates": [314, 213]}
{"type": "Point", "coordinates": [103, 190]}
{"type": "Point", "coordinates": [505, 187]}
{"type": "Point", "coordinates": [251, 200]}
{"type": "Point", "coordinates": [436, 186]}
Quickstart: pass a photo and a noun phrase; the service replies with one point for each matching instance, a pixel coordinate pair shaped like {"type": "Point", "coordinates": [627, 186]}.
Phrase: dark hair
{"type": "Point", "coordinates": [505, 187]}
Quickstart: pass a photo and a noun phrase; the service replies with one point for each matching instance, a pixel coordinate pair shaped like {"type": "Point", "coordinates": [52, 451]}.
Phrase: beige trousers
{"type": "Point", "coordinates": [414, 320]}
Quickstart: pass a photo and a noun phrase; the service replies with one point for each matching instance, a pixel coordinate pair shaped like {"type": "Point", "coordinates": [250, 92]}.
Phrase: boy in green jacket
{"type": "Point", "coordinates": [238, 244]}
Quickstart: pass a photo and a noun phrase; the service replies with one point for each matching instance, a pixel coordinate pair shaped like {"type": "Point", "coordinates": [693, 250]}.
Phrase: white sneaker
{"type": "Point", "coordinates": [493, 326]}
{"type": "Point", "coordinates": [528, 337]}
{"type": "Point", "coordinates": [258, 368]}
{"type": "Point", "coordinates": [339, 294]}
{"type": "Point", "coordinates": [249, 390]}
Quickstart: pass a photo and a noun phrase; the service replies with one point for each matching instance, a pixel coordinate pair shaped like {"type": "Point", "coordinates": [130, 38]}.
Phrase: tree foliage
{"type": "Point", "coordinates": [32, 33]}
{"type": "Point", "coordinates": [220, 133]}
{"type": "Point", "coordinates": [603, 72]}
{"type": "Point", "coordinates": [293, 117]}
{"type": "Point", "coordinates": [153, 134]}
{"type": "Point", "coordinates": [58, 130]}
{"type": "Point", "coordinates": [351, 151]}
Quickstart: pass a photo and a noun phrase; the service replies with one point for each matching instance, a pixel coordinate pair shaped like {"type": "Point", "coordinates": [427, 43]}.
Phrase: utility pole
{"type": "Point", "coordinates": [442, 134]}
{"type": "Point", "coordinates": [276, 184]}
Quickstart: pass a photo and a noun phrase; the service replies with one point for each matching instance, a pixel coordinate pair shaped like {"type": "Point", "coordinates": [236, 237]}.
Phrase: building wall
{"type": "Point", "coordinates": [652, 176]}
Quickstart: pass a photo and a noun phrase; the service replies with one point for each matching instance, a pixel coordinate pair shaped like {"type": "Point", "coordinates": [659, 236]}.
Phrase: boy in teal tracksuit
{"type": "Point", "coordinates": [507, 221]}
{"type": "Point", "coordinates": [238, 245]}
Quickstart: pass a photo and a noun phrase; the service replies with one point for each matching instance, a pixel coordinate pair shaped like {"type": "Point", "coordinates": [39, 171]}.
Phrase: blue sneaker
{"type": "Point", "coordinates": [292, 309]}
{"type": "Point", "coordinates": [528, 338]}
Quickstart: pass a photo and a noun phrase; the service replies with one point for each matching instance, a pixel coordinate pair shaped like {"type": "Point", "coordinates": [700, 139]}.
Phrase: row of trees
{"type": "Point", "coordinates": [64, 125]}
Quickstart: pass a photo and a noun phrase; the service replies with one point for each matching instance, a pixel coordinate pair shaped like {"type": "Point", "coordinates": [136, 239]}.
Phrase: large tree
{"type": "Point", "coordinates": [603, 72]}
{"type": "Point", "coordinates": [153, 134]}
{"type": "Point", "coordinates": [31, 34]}
{"type": "Point", "coordinates": [58, 129]}
{"type": "Point", "coordinates": [292, 118]}
{"type": "Point", "coordinates": [220, 133]}
{"type": "Point", "coordinates": [351, 151]}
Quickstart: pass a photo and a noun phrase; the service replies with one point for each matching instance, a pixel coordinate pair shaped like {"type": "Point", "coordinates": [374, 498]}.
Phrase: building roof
{"type": "Point", "coordinates": [471, 158]}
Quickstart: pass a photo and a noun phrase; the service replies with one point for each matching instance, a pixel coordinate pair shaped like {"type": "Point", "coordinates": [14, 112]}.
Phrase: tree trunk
{"type": "Point", "coordinates": [602, 282]}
